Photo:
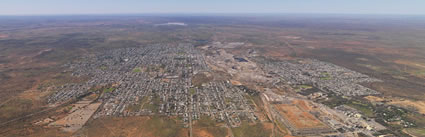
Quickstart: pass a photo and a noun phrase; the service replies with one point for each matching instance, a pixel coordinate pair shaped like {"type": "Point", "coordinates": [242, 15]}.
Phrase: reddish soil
{"type": "Point", "coordinates": [298, 117]}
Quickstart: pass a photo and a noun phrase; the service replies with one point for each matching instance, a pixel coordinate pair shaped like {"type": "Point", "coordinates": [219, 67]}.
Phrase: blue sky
{"type": "Point", "coordinates": [34, 7]}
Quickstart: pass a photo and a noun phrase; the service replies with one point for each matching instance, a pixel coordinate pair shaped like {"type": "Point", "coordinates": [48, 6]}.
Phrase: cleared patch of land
{"type": "Point", "coordinates": [78, 117]}
{"type": "Point", "coordinates": [298, 117]}
{"type": "Point", "coordinates": [201, 78]}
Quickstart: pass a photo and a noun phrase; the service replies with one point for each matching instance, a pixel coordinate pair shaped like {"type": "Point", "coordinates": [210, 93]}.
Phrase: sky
{"type": "Point", "coordinates": [58, 7]}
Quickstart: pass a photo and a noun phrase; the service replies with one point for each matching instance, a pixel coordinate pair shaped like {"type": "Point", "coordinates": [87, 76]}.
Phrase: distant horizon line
{"type": "Point", "coordinates": [211, 13]}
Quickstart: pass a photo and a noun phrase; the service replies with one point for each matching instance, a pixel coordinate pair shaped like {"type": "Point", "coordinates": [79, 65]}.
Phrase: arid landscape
{"type": "Point", "coordinates": [212, 76]}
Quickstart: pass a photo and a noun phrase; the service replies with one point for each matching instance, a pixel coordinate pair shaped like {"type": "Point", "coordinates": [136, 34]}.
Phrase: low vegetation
{"type": "Point", "coordinates": [133, 126]}
{"type": "Point", "coordinates": [251, 130]}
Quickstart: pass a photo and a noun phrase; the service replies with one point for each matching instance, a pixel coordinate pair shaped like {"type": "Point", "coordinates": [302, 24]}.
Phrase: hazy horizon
{"type": "Point", "coordinates": [98, 7]}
